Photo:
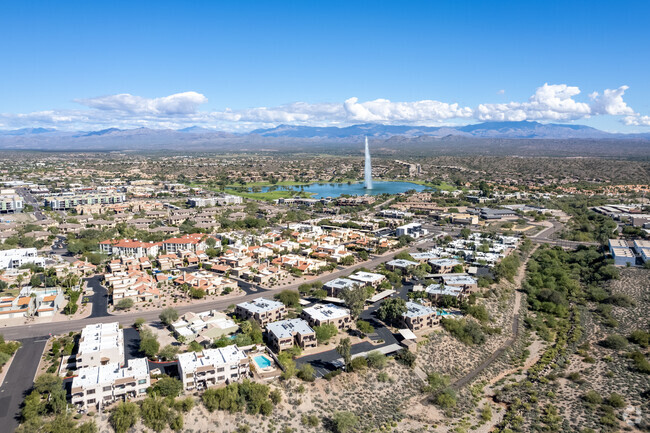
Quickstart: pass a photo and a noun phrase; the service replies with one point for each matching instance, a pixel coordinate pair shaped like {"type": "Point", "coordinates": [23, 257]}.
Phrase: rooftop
{"type": "Point", "coordinates": [108, 374]}
{"type": "Point", "coordinates": [414, 309]}
{"type": "Point", "coordinates": [261, 305]}
{"type": "Point", "coordinates": [287, 328]}
{"type": "Point", "coordinates": [326, 312]}
{"type": "Point", "coordinates": [190, 361]}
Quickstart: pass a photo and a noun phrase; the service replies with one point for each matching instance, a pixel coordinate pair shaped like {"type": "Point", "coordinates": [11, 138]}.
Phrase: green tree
{"type": "Point", "coordinates": [124, 416]}
{"type": "Point", "coordinates": [149, 343]}
{"type": "Point", "coordinates": [124, 304]}
{"type": "Point", "coordinates": [325, 332]}
{"type": "Point", "coordinates": [377, 359]}
{"type": "Point", "coordinates": [344, 421]}
{"type": "Point", "coordinates": [392, 310]}
{"type": "Point", "coordinates": [355, 299]}
{"type": "Point", "coordinates": [155, 413]}
{"type": "Point", "coordinates": [306, 372]}
{"type": "Point", "coordinates": [167, 387]}
{"type": "Point", "coordinates": [290, 298]}
{"type": "Point", "coordinates": [168, 316]}
{"type": "Point", "coordinates": [345, 350]}
{"type": "Point", "coordinates": [365, 327]}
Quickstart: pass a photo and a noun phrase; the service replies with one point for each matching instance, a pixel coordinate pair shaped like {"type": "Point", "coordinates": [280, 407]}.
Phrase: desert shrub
{"type": "Point", "coordinates": [614, 342]}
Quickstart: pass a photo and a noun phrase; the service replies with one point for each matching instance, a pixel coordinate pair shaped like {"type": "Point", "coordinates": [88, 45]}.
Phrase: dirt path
{"type": "Point", "coordinates": [469, 377]}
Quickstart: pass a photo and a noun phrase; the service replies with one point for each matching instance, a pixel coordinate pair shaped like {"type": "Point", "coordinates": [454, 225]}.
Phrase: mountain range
{"type": "Point", "coordinates": [284, 137]}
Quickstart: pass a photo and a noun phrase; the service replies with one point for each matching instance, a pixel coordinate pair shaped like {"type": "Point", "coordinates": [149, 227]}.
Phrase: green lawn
{"type": "Point", "coordinates": [268, 196]}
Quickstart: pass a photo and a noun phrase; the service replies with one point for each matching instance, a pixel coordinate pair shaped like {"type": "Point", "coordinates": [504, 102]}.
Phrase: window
{"type": "Point", "coordinates": [141, 381]}
{"type": "Point", "coordinates": [234, 376]}
{"type": "Point", "coordinates": [107, 388]}
{"type": "Point", "coordinates": [221, 378]}
{"type": "Point", "coordinates": [220, 369]}
{"type": "Point", "coordinates": [91, 401]}
{"type": "Point", "coordinates": [91, 391]}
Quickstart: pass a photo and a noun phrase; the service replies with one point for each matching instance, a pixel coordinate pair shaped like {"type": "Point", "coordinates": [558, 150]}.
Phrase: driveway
{"type": "Point", "coordinates": [19, 381]}
{"type": "Point", "coordinates": [99, 297]}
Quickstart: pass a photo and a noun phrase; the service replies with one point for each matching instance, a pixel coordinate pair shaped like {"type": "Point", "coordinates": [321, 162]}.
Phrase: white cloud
{"type": "Point", "coordinates": [501, 92]}
{"type": "Point", "coordinates": [611, 102]}
{"type": "Point", "coordinates": [550, 102]}
{"type": "Point", "coordinates": [178, 103]}
{"type": "Point", "coordinates": [637, 120]}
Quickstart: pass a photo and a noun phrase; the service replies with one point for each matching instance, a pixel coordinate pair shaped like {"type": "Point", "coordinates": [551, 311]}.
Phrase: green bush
{"type": "Point", "coordinates": [615, 342]}
{"type": "Point", "coordinates": [124, 416]}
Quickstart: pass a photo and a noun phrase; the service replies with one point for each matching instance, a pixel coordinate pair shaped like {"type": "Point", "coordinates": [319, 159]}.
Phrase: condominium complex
{"type": "Point", "coordinates": [335, 287]}
{"type": "Point", "coordinates": [328, 314]}
{"type": "Point", "coordinates": [101, 385]}
{"type": "Point", "coordinates": [200, 370]}
{"type": "Point", "coordinates": [10, 202]}
{"type": "Point", "coordinates": [263, 311]}
{"type": "Point", "coordinates": [621, 252]}
{"type": "Point", "coordinates": [284, 334]}
{"type": "Point", "coordinates": [69, 201]}
{"type": "Point", "coordinates": [221, 200]}
{"type": "Point", "coordinates": [418, 316]}
{"type": "Point", "coordinates": [101, 344]}
{"type": "Point", "coordinates": [15, 258]}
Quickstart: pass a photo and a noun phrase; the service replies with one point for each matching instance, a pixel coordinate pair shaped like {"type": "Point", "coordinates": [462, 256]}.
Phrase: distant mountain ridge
{"type": "Point", "coordinates": [290, 137]}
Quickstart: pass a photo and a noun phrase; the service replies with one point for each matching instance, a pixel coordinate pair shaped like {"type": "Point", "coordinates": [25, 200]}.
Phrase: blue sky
{"type": "Point", "coordinates": [64, 62]}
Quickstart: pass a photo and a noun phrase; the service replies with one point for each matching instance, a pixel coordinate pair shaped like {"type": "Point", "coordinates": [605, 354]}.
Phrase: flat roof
{"type": "Point", "coordinates": [458, 279]}
{"type": "Point", "coordinates": [190, 361]}
{"type": "Point", "coordinates": [341, 283]}
{"type": "Point", "coordinates": [413, 309]}
{"type": "Point", "coordinates": [109, 373]}
{"type": "Point", "coordinates": [367, 277]}
{"type": "Point", "coordinates": [261, 305]}
{"type": "Point", "coordinates": [101, 336]}
{"type": "Point", "coordinates": [326, 312]}
{"type": "Point", "coordinates": [287, 328]}
{"type": "Point", "coordinates": [401, 263]}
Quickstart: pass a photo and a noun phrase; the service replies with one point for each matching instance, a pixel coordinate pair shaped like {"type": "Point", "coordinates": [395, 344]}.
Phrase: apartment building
{"type": "Point", "coordinates": [465, 282]}
{"type": "Point", "coordinates": [205, 326]}
{"type": "Point", "coordinates": [328, 314]}
{"type": "Point", "coordinates": [335, 287]}
{"type": "Point", "coordinates": [212, 367]}
{"type": "Point", "coordinates": [94, 387]}
{"type": "Point", "coordinates": [419, 317]}
{"type": "Point", "coordinates": [444, 266]}
{"type": "Point", "coordinates": [101, 344]}
{"type": "Point", "coordinates": [284, 334]}
{"type": "Point", "coordinates": [263, 311]}
{"type": "Point", "coordinates": [129, 248]}
{"type": "Point", "coordinates": [15, 258]}
{"type": "Point", "coordinates": [436, 292]}
{"type": "Point", "coordinates": [69, 201]}
{"type": "Point", "coordinates": [367, 279]}
{"type": "Point", "coordinates": [643, 249]}
{"type": "Point", "coordinates": [192, 242]}
{"type": "Point", "coordinates": [10, 202]}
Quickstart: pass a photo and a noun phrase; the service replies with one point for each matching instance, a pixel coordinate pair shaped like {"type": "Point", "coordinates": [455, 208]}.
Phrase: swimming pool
{"type": "Point", "coordinates": [262, 361]}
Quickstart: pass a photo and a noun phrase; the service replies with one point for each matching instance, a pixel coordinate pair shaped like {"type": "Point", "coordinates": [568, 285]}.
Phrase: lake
{"type": "Point", "coordinates": [322, 190]}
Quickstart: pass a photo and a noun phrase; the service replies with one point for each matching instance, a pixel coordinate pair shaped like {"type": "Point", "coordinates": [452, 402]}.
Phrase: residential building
{"type": "Point", "coordinates": [418, 316]}
{"type": "Point", "coordinates": [335, 287]}
{"type": "Point", "coordinates": [205, 326]}
{"type": "Point", "coordinates": [444, 266]}
{"type": "Point", "coordinates": [403, 265]}
{"type": "Point", "coordinates": [465, 282]}
{"type": "Point", "coordinates": [68, 201]}
{"type": "Point", "coordinates": [10, 202]}
{"type": "Point", "coordinates": [367, 278]}
{"type": "Point", "coordinates": [129, 248]}
{"type": "Point", "coordinates": [12, 307]}
{"type": "Point", "coordinates": [284, 334]}
{"type": "Point", "coordinates": [15, 258]}
{"type": "Point", "coordinates": [212, 367]}
{"type": "Point", "coordinates": [101, 344]}
{"type": "Point", "coordinates": [328, 314]}
{"type": "Point", "coordinates": [263, 311]}
{"type": "Point", "coordinates": [436, 292]}
{"type": "Point", "coordinates": [413, 230]}
{"type": "Point", "coordinates": [97, 386]}
{"type": "Point", "coordinates": [193, 242]}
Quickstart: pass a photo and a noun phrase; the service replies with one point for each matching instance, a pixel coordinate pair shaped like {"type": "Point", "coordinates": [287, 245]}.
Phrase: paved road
{"type": "Point", "coordinates": [18, 381]}
{"type": "Point", "coordinates": [99, 298]}
{"type": "Point", "coordinates": [31, 200]}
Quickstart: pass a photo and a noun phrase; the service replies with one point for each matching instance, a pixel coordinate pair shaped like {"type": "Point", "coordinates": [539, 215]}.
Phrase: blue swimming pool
{"type": "Point", "coordinates": [262, 361]}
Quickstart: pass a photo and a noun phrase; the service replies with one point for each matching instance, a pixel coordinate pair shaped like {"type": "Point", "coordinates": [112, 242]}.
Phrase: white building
{"type": "Point", "coordinates": [335, 287]}
{"type": "Point", "coordinates": [222, 200]}
{"type": "Point", "coordinates": [207, 325]}
{"type": "Point", "coordinates": [101, 344]}
{"type": "Point", "coordinates": [414, 230]}
{"type": "Point", "coordinates": [100, 385]}
{"type": "Point", "coordinates": [643, 248]}
{"type": "Point", "coordinates": [211, 367]}
{"type": "Point", "coordinates": [262, 310]}
{"type": "Point", "coordinates": [10, 202]}
{"type": "Point", "coordinates": [367, 278]}
{"type": "Point", "coordinates": [621, 252]}
{"type": "Point", "coordinates": [17, 257]}
{"type": "Point", "coordinates": [328, 314]}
